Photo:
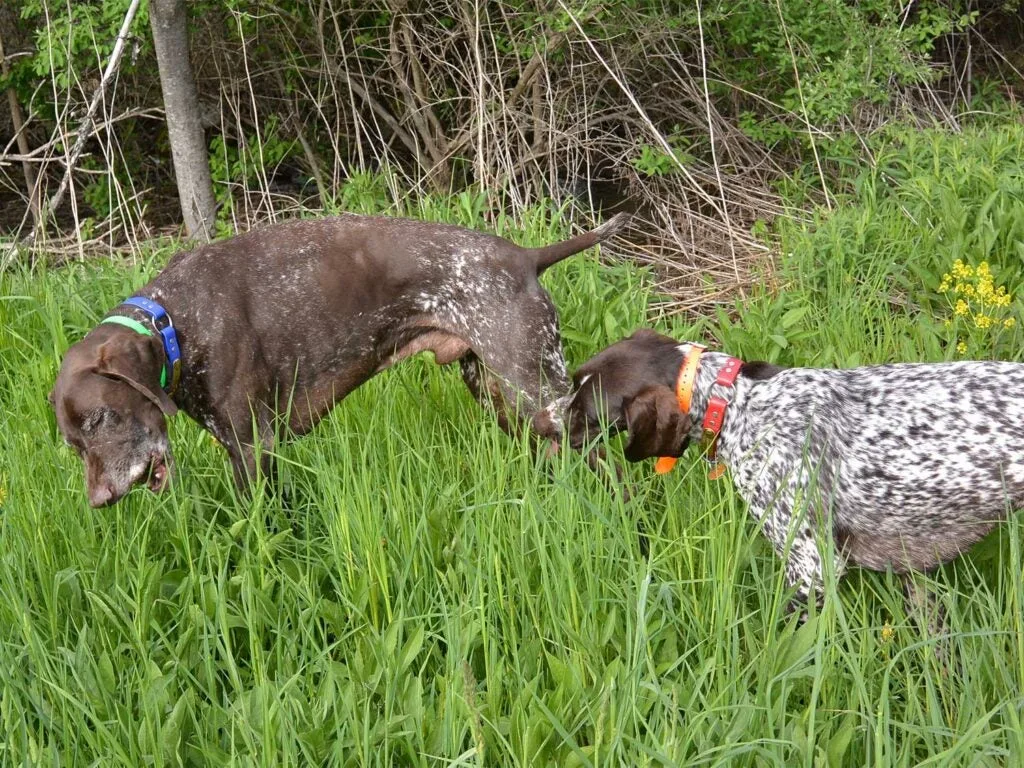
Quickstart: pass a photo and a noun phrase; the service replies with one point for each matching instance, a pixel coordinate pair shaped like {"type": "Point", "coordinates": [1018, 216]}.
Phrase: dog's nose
{"type": "Point", "coordinates": [547, 422]}
{"type": "Point", "coordinates": [100, 495]}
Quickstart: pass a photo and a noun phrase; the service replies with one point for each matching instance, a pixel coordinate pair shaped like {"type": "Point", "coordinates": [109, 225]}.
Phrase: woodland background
{"type": "Point", "coordinates": [709, 118]}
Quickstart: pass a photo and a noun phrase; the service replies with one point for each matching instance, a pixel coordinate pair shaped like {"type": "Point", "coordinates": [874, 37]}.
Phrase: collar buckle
{"type": "Point", "coordinates": [165, 328]}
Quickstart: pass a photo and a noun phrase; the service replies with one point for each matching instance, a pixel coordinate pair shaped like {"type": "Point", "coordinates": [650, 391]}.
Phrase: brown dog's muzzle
{"type": "Point", "coordinates": [104, 487]}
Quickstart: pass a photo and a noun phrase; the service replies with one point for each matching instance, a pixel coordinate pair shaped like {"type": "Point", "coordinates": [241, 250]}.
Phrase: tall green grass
{"type": "Point", "coordinates": [433, 593]}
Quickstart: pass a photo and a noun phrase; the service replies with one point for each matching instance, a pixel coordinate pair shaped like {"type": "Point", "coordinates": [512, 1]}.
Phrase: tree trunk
{"type": "Point", "coordinates": [18, 123]}
{"type": "Point", "coordinates": [181, 106]}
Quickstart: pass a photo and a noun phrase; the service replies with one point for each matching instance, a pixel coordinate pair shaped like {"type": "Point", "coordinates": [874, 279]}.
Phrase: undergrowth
{"type": "Point", "coordinates": [432, 592]}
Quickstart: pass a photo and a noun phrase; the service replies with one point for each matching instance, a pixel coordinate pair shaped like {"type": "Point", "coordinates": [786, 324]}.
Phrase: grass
{"type": "Point", "coordinates": [435, 594]}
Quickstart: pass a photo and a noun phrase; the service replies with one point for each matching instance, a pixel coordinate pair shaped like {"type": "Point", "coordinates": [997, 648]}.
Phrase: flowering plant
{"type": "Point", "coordinates": [981, 309]}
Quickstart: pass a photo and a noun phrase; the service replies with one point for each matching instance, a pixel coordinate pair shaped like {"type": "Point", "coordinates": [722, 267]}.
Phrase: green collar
{"type": "Point", "coordinates": [138, 327]}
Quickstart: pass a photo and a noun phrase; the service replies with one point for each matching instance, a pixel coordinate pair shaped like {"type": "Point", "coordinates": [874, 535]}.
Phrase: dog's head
{"type": "Point", "coordinates": [507, 319]}
{"type": "Point", "coordinates": [628, 386]}
{"type": "Point", "coordinates": [513, 357]}
{"type": "Point", "coordinates": [110, 409]}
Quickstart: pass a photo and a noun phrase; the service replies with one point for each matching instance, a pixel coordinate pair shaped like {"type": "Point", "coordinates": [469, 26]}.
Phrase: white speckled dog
{"type": "Point", "coordinates": [905, 465]}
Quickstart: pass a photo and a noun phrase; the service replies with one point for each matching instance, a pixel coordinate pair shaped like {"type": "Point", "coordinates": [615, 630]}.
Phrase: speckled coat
{"type": "Point", "coordinates": [279, 324]}
{"type": "Point", "coordinates": [905, 465]}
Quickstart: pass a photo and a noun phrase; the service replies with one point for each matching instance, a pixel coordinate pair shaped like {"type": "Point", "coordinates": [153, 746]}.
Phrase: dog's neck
{"type": "Point", "coordinates": [710, 364]}
{"type": "Point", "coordinates": [146, 321]}
{"type": "Point", "coordinates": [184, 311]}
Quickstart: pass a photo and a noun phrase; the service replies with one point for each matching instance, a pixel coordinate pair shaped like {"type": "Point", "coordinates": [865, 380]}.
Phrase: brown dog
{"type": "Point", "coordinates": [288, 319]}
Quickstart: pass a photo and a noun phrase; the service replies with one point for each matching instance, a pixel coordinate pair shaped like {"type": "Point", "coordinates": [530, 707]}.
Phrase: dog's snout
{"type": "Point", "coordinates": [546, 424]}
{"type": "Point", "coordinates": [550, 420]}
{"type": "Point", "coordinates": [101, 494]}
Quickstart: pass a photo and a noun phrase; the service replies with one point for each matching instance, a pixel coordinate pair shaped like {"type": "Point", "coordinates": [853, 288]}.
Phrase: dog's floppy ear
{"type": "Point", "coordinates": [124, 360]}
{"type": "Point", "coordinates": [158, 397]}
{"type": "Point", "coordinates": [656, 425]}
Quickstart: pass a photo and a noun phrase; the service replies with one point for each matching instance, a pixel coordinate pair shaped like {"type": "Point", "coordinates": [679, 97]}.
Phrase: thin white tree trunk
{"type": "Point", "coordinates": [169, 23]}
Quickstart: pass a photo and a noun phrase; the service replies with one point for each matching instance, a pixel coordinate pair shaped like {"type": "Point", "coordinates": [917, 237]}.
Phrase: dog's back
{"type": "Point", "coordinates": [915, 462]}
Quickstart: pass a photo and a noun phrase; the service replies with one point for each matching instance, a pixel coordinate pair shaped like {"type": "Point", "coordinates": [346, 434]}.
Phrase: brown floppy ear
{"type": "Point", "coordinates": [656, 425]}
{"type": "Point", "coordinates": [128, 359]}
{"type": "Point", "coordinates": [157, 397]}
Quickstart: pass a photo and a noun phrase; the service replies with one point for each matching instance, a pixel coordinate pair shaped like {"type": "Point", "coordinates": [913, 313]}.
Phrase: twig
{"type": "Point", "coordinates": [18, 123]}
{"type": "Point", "coordinates": [307, 149]}
{"type": "Point", "coordinates": [803, 106]}
{"type": "Point", "coordinates": [714, 154]}
{"type": "Point", "coordinates": [41, 152]}
{"type": "Point", "coordinates": [87, 125]}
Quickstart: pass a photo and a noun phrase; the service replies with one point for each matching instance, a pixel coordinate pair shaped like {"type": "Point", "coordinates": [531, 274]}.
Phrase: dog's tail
{"type": "Point", "coordinates": [554, 253]}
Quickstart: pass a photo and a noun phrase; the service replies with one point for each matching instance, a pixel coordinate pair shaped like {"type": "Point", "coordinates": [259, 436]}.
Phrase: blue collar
{"type": "Point", "coordinates": [162, 323]}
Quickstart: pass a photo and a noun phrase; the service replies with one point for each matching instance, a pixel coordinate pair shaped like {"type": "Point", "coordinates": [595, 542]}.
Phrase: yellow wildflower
{"type": "Point", "coordinates": [975, 297]}
{"type": "Point", "coordinates": [960, 269]}
{"type": "Point", "coordinates": [961, 348]}
{"type": "Point", "coordinates": [887, 633]}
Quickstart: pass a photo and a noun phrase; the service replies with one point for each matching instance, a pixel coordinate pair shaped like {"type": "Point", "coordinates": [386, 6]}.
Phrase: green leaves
{"type": "Point", "coordinates": [861, 284]}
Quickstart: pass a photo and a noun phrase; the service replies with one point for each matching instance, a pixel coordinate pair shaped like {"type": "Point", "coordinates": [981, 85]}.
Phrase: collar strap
{"type": "Point", "coordinates": [688, 376]}
{"type": "Point", "coordinates": [714, 414]}
{"type": "Point", "coordinates": [684, 395]}
{"type": "Point", "coordinates": [163, 325]}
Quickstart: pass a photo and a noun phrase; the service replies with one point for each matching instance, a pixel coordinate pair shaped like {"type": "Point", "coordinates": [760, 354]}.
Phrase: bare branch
{"type": "Point", "coordinates": [88, 123]}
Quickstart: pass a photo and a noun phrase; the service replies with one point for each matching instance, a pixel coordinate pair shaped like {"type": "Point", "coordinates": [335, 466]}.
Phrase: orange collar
{"type": "Point", "coordinates": [714, 415]}
{"type": "Point", "coordinates": [684, 394]}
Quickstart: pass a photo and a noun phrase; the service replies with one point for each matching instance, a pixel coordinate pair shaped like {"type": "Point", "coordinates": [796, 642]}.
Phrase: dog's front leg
{"type": "Point", "coordinates": [792, 534]}
{"type": "Point", "coordinates": [249, 447]}
{"type": "Point", "coordinates": [484, 387]}
{"type": "Point", "coordinates": [243, 466]}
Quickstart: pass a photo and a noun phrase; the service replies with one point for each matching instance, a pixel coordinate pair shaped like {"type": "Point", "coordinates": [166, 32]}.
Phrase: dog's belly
{"type": "Point", "coordinates": [917, 504]}
{"type": "Point", "coordinates": [914, 550]}
{"type": "Point", "coordinates": [892, 504]}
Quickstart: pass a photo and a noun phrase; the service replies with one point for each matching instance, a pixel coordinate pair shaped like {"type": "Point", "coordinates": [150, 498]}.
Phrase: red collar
{"type": "Point", "coordinates": [714, 414]}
